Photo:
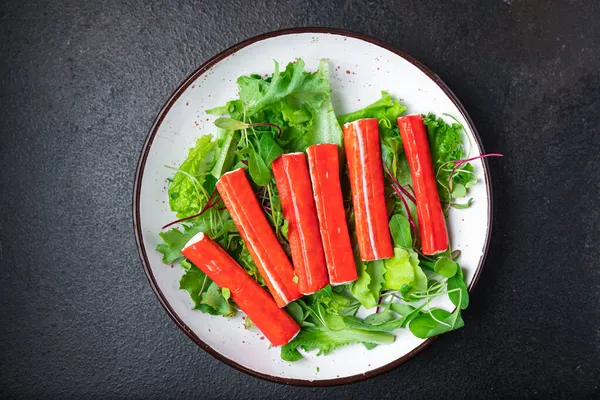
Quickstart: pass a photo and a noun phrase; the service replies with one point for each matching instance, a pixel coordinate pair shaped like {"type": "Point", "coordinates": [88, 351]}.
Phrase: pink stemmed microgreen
{"type": "Point", "coordinates": [397, 184]}
{"type": "Point", "coordinates": [462, 162]}
{"type": "Point", "coordinates": [401, 192]}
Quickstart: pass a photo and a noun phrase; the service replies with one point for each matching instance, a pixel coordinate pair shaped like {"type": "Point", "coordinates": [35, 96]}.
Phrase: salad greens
{"type": "Point", "coordinates": [287, 112]}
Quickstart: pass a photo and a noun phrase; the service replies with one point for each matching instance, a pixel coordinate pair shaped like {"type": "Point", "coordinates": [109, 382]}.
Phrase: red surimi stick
{"type": "Point", "coordinates": [323, 162]}
{"type": "Point", "coordinates": [363, 151]}
{"type": "Point", "coordinates": [432, 225]}
{"type": "Point", "coordinates": [258, 305]}
{"type": "Point", "coordinates": [271, 261]}
{"type": "Point", "coordinates": [298, 207]}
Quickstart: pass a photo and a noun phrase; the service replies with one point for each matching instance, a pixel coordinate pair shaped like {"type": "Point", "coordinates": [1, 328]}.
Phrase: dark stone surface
{"type": "Point", "coordinates": [80, 84]}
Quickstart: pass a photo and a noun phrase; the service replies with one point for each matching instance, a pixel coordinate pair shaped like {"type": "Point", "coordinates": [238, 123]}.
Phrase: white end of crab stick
{"type": "Point", "coordinates": [277, 326]}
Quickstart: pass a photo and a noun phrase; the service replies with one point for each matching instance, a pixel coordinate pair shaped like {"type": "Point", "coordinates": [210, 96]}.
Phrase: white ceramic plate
{"type": "Point", "coordinates": [360, 68]}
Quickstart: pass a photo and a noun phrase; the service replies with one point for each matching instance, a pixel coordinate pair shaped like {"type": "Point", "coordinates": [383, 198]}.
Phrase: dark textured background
{"type": "Point", "coordinates": [80, 84]}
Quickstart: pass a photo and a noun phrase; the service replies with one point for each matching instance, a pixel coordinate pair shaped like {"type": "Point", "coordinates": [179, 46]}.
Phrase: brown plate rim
{"type": "Point", "coordinates": [142, 163]}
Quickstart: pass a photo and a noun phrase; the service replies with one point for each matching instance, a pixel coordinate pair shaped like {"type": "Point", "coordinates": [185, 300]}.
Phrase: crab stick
{"type": "Point", "coordinates": [432, 225]}
{"type": "Point", "coordinates": [271, 261]}
{"type": "Point", "coordinates": [258, 305]}
{"type": "Point", "coordinates": [323, 162]}
{"type": "Point", "coordinates": [363, 151]}
{"type": "Point", "coordinates": [298, 207]}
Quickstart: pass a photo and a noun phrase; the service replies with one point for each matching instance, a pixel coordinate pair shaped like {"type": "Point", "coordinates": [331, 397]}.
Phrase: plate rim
{"type": "Point", "coordinates": [141, 164]}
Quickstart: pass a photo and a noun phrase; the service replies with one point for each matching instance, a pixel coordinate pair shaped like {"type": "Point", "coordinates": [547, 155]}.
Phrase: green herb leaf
{"type": "Point", "coordinates": [459, 190]}
{"type": "Point", "coordinates": [259, 172]}
{"type": "Point", "coordinates": [226, 293]}
{"type": "Point", "coordinates": [230, 124]}
{"type": "Point", "coordinates": [426, 325]}
{"type": "Point", "coordinates": [402, 309]}
{"type": "Point", "coordinates": [269, 149]}
{"type": "Point", "coordinates": [458, 282]}
{"type": "Point", "coordinates": [462, 206]}
{"type": "Point", "coordinates": [445, 267]}
{"type": "Point", "coordinates": [290, 354]}
{"type": "Point", "coordinates": [295, 311]}
{"type": "Point", "coordinates": [225, 155]}
{"type": "Point", "coordinates": [400, 231]}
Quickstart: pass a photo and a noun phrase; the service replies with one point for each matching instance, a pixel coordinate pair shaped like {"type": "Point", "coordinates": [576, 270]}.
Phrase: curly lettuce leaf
{"type": "Point", "coordinates": [446, 145]}
{"type": "Point", "coordinates": [385, 108]}
{"type": "Point", "coordinates": [326, 340]}
{"type": "Point", "coordinates": [186, 191]}
{"type": "Point", "coordinates": [174, 240]}
{"type": "Point", "coordinates": [293, 84]}
{"type": "Point", "coordinates": [325, 127]}
{"type": "Point", "coordinates": [367, 287]}
{"type": "Point", "coordinates": [403, 269]}
{"type": "Point", "coordinates": [205, 294]}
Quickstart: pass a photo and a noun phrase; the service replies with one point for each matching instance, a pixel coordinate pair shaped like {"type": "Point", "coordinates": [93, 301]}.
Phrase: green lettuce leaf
{"type": "Point", "coordinates": [293, 83]}
{"type": "Point", "coordinates": [400, 231]}
{"type": "Point", "coordinates": [385, 108]}
{"type": "Point", "coordinates": [226, 147]}
{"type": "Point", "coordinates": [186, 193]}
{"type": "Point", "coordinates": [404, 269]}
{"type": "Point", "coordinates": [204, 293]}
{"type": "Point", "coordinates": [325, 127]}
{"type": "Point", "coordinates": [446, 144]}
{"type": "Point", "coordinates": [367, 287]}
{"type": "Point", "coordinates": [327, 340]}
{"type": "Point", "coordinates": [174, 240]}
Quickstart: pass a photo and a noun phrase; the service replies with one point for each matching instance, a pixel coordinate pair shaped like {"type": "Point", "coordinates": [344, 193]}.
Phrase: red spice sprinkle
{"type": "Point", "coordinates": [173, 265]}
{"type": "Point", "coordinates": [207, 119]}
{"type": "Point", "coordinates": [187, 103]}
{"type": "Point", "coordinates": [262, 338]}
{"type": "Point", "coordinates": [243, 317]}
{"type": "Point", "coordinates": [354, 73]}
{"type": "Point", "coordinates": [377, 68]}
{"type": "Point", "coordinates": [243, 341]}
{"type": "Point", "coordinates": [348, 71]}
{"type": "Point", "coordinates": [209, 329]}
{"type": "Point", "coordinates": [193, 86]}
